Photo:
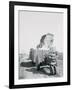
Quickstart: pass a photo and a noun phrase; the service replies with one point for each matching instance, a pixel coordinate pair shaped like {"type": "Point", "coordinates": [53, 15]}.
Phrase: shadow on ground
{"type": "Point", "coordinates": [27, 64]}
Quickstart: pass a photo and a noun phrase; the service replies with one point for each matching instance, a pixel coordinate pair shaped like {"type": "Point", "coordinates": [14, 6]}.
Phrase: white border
{"type": "Point", "coordinates": [46, 80]}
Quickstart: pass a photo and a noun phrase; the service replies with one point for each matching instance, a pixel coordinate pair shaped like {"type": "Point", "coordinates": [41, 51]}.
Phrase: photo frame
{"type": "Point", "coordinates": [32, 27]}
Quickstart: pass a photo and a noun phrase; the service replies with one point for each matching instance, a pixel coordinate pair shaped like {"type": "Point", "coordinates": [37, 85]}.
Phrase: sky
{"type": "Point", "coordinates": [32, 25]}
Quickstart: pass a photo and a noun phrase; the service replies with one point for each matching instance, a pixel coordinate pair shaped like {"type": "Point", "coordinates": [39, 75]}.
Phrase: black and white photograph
{"type": "Point", "coordinates": [39, 44]}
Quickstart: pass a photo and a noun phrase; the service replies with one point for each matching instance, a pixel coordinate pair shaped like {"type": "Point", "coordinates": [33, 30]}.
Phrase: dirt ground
{"type": "Point", "coordinates": [28, 71]}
